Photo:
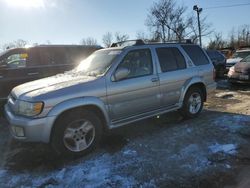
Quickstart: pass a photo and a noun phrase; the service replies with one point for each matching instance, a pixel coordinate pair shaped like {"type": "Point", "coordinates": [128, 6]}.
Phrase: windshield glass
{"type": "Point", "coordinates": [98, 62]}
{"type": "Point", "coordinates": [246, 59]}
{"type": "Point", "coordinates": [241, 54]}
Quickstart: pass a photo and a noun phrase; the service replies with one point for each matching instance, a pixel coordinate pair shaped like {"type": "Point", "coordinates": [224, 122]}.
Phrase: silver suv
{"type": "Point", "coordinates": [111, 88]}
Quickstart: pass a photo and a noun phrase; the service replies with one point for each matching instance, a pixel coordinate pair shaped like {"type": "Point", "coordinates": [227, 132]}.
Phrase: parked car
{"type": "Point", "coordinates": [227, 52]}
{"type": "Point", "coordinates": [111, 88]}
{"type": "Point", "coordinates": [240, 72]}
{"type": "Point", "coordinates": [237, 57]}
{"type": "Point", "coordinates": [219, 62]}
{"type": "Point", "coordinates": [21, 65]}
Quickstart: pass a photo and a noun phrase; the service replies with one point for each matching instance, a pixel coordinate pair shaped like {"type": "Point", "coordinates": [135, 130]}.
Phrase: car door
{"type": "Point", "coordinates": [138, 93]}
{"type": "Point", "coordinates": [173, 74]}
{"type": "Point", "coordinates": [14, 70]}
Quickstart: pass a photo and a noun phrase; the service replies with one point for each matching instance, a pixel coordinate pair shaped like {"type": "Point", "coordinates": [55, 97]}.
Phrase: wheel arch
{"type": "Point", "coordinates": [196, 82]}
{"type": "Point", "coordinates": [91, 103]}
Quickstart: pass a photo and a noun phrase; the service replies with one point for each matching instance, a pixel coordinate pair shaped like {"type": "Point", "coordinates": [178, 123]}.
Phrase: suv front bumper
{"type": "Point", "coordinates": [28, 129]}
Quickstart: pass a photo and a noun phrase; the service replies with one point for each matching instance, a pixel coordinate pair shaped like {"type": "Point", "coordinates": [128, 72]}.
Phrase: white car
{"type": "Point", "coordinates": [237, 57]}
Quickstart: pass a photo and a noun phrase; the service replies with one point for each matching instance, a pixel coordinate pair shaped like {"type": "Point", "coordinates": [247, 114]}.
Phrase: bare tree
{"type": "Point", "coordinates": [205, 28]}
{"type": "Point", "coordinates": [89, 41]}
{"type": "Point", "coordinates": [121, 37]}
{"type": "Point", "coordinates": [141, 35]}
{"type": "Point", "coordinates": [15, 44]}
{"type": "Point", "coordinates": [244, 35]}
{"type": "Point", "coordinates": [159, 17]}
{"type": "Point", "coordinates": [218, 42]}
{"type": "Point", "coordinates": [107, 39]}
{"type": "Point", "coordinates": [171, 22]}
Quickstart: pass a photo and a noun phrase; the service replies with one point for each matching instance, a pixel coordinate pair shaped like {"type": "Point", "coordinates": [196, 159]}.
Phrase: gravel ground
{"type": "Point", "coordinates": [209, 151]}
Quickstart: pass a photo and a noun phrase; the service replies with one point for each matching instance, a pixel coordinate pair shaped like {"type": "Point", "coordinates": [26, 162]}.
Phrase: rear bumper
{"type": "Point", "coordinates": [238, 77]}
{"type": "Point", "coordinates": [235, 80]}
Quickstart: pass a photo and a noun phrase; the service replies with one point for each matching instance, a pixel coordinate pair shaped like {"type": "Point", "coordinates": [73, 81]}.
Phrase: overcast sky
{"type": "Point", "coordinates": [68, 21]}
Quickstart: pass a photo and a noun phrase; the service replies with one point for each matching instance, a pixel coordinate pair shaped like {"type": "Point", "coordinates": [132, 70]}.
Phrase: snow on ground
{"type": "Point", "coordinates": [171, 154]}
{"type": "Point", "coordinates": [226, 148]}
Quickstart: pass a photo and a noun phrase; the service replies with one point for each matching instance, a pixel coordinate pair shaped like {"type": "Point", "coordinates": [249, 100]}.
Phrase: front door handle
{"type": "Point", "coordinates": [33, 73]}
{"type": "Point", "coordinates": [154, 79]}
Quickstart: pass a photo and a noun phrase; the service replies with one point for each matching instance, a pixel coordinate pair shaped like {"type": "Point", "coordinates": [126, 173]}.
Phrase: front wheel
{"type": "Point", "coordinates": [193, 103]}
{"type": "Point", "coordinates": [76, 133]}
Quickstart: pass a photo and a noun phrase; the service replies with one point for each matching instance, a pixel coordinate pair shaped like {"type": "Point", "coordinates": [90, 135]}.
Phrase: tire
{"type": "Point", "coordinates": [76, 133]}
{"type": "Point", "coordinates": [193, 103]}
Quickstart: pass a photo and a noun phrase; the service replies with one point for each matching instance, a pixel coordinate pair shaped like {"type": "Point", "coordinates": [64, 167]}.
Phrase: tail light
{"type": "Point", "coordinates": [214, 74]}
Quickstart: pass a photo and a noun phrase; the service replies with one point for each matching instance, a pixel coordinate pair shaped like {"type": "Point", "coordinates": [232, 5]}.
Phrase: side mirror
{"type": "Point", "coordinates": [120, 74]}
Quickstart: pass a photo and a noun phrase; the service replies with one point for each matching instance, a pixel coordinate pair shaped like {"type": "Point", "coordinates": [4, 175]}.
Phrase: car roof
{"type": "Point", "coordinates": [139, 42]}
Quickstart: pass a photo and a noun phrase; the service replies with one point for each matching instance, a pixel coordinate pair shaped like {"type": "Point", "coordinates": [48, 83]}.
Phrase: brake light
{"type": "Point", "coordinates": [214, 74]}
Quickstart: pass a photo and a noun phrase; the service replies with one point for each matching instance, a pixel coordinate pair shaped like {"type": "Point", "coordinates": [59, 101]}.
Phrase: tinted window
{"type": "Point", "coordinates": [139, 63]}
{"type": "Point", "coordinates": [52, 56]}
{"type": "Point", "coordinates": [170, 59]}
{"type": "Point", "coordinates": [179, 58]}
{"type": "Point", "coordinates": [196, 54]}
{"type": "Point", "coordinates": [17, 60]}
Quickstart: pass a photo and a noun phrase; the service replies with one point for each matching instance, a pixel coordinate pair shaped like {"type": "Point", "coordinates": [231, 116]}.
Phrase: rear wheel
{"type": "Point", "coordinates": [193, 103]}
{"type": "Point", "coordinates": [76, 133]}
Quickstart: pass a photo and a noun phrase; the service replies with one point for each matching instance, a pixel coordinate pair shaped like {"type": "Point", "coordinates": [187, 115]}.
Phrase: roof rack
{"type": "Point", "coordinates": [139, 42]}
{"type": "Point", "coordinates": [128, 43]}
{"type": "Point", "coordinates": [186, 41]}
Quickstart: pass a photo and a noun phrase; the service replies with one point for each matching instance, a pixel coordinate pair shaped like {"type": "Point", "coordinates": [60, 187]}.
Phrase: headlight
{"type": "Point", "coordinates": [29, 108]}
{"type": "Point", "coordinates": [231, 71]}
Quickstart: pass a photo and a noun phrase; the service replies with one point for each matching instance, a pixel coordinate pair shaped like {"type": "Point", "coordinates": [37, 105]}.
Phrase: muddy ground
{"type": "Point", "coordinates": [209, 151]}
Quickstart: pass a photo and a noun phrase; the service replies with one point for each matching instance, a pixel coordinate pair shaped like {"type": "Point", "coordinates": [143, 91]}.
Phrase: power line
{"type": "Point", "coordinates": [227, 6]}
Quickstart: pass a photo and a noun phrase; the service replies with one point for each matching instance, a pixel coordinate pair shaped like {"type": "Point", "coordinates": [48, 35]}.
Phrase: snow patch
{"type": "Point", "coordinates": [226, 95]}
{"type": "Point", "coordinates": [232, 123]}
{"type": "Point", "coordinates": [226, 148]}
{"type": "Point", "coordinates": [130, 152]}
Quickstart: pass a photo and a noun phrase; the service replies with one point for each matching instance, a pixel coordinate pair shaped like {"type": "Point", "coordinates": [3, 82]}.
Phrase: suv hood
{"type": "Point", "coordinates": [53, 83]}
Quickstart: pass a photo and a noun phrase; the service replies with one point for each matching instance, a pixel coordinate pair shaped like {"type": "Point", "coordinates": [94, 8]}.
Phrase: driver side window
{"type": "Point", "coordinates": [17, 60]}
{"type": "Point", "coordinates": [138, 62]}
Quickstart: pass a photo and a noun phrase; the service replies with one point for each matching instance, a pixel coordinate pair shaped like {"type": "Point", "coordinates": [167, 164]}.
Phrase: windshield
{"type": "Point", "coordinates": [98, 62]}
{"type": "Point", "coordinates": [242, 54]}
{"type": "Point", "coordinates": [246, 59]}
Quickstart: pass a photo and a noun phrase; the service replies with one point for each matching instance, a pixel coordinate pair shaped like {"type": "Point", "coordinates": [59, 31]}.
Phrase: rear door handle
{"type": "Point", "coordinates": [33, 73]}
{"type": "Point", "coordinates": [154, 79]}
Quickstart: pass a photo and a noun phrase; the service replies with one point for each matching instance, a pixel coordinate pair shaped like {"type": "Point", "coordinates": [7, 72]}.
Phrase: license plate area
{"type": "Point", "coordinates": [244, 77]}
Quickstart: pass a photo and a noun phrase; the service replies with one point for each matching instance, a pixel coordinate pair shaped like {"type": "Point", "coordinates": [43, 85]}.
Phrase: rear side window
{"type": "Point", "coordinates": [196, 54]}
{"type": "Point", "coordinates": [170, 59]}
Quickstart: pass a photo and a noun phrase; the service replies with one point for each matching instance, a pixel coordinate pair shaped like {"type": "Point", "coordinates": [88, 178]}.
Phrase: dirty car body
{"type": "Point", "coordinates": [111, 88]}
{"type": "Point", "coordinates": [240, 72]}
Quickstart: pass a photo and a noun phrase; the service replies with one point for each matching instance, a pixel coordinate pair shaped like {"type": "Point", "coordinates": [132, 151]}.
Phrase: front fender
{"type": "Point", "coordinates": [80, 102]}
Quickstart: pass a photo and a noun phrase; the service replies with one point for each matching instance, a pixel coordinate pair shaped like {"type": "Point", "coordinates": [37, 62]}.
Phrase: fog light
{"type": "Point", "coordinates": [18, 131]}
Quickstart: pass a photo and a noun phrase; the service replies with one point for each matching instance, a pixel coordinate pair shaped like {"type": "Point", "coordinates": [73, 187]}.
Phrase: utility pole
{"type": "Point", "coordinates": [198, 10]}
